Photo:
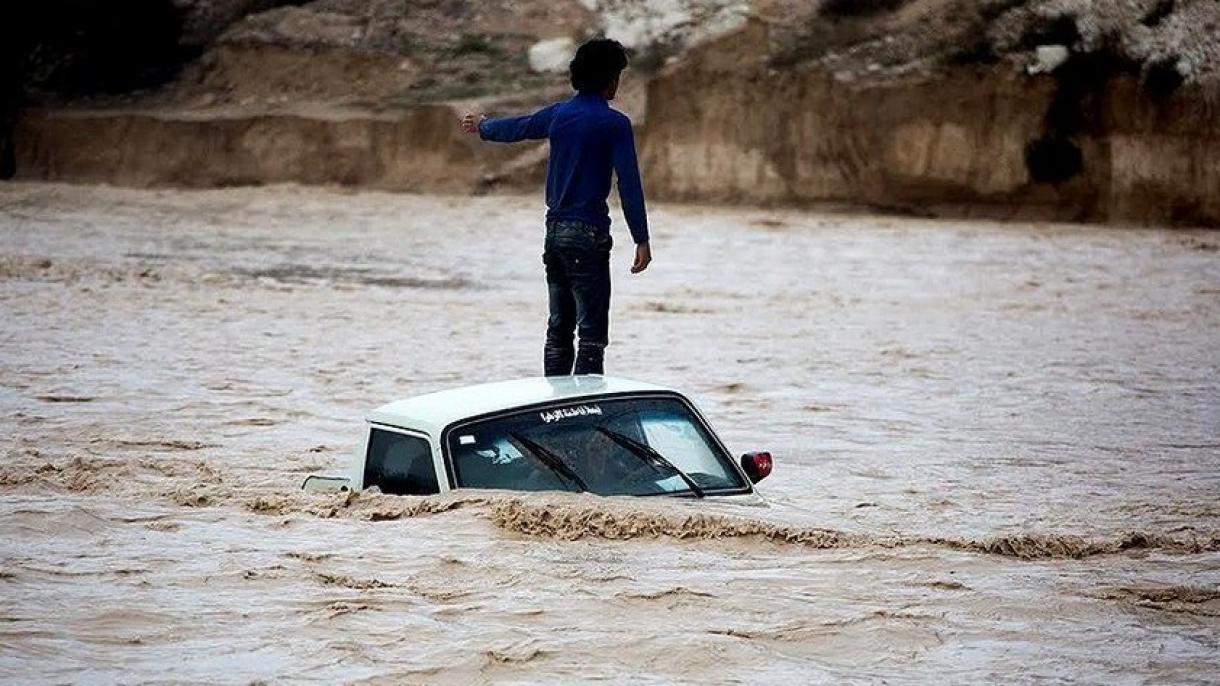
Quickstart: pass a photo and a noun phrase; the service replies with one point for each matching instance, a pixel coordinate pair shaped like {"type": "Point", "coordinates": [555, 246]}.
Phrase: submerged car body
{"type": "Point", "coordinates": [596, 434]}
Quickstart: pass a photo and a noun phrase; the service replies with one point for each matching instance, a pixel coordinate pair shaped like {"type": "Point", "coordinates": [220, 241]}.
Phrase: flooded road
{"type": "Point", "coordinates": [998, 447]}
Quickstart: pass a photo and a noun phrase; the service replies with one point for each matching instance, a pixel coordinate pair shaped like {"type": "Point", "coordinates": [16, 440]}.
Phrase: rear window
{"type": "Point", "coordinates": [399, 464]}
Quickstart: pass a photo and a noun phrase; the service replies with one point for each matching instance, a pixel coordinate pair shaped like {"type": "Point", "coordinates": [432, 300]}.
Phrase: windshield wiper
{"type": "Point", "coordinates": [650, 456]}
{"type": "Point", "coordinates": [549, 460]}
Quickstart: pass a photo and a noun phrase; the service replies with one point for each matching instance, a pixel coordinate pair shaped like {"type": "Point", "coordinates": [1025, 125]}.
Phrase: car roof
{"type": "Point", "coordinates": [432, 412]}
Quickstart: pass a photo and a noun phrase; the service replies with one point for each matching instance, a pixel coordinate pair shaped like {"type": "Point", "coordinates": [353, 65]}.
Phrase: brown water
{"type": "Point", "coordinates": [998, 448]}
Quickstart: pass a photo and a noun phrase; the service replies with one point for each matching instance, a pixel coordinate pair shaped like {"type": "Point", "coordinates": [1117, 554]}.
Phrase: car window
{"type": "Point", "coordinates": [596, 445]}
{"type": "Point", "coordinates": [399, 464]}
{"type": "Point", "coordinates": [498, 463]}
{"type": "Point", "coordinates": [673, 435]}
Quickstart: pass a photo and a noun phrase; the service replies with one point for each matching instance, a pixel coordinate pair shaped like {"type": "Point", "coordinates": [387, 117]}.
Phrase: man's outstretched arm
{"type": "Point", "coordinates": [631, 192]}
{"type": "Point", "coordinates": [534, 126]}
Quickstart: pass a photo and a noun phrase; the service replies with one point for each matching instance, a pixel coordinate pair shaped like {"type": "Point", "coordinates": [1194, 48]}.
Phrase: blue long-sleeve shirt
{"type": "Point", "coordinates": [588, 140]}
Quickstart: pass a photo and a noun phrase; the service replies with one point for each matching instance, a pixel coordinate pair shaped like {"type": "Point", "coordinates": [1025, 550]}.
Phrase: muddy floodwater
{"type": "Point", "coordinates": [997, 448]}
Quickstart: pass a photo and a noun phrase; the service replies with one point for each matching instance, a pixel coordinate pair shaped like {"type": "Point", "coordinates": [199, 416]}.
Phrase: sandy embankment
{"type": "Point", "coordinates": [725, 125]}
{"type": "Point", "coordinates": [719, 129]}
{"type": "Point", "coordinates": [419, 149]}
{"type": "Point", "coordinates": [936, 130]}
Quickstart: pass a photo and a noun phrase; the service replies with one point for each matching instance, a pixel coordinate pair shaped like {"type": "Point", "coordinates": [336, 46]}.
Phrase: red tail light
{"type": "Point", "coordinates": [756, 465]}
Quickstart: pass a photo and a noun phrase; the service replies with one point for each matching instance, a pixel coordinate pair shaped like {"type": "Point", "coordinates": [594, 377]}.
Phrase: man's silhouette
{"type": "Point", "coordinates": [588, 140]}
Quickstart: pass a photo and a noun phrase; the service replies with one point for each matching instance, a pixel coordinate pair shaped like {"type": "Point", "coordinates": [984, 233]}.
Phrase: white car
{"type": "Point", "coordinates": [595, 434]}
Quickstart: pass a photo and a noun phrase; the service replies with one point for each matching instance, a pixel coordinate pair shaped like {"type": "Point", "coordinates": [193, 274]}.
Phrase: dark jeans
{"type": "Point", "coordinates": [577, 259]}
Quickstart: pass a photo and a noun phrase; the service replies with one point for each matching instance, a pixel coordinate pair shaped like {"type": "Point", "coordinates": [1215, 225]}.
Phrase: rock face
{"type": "Point", "coordinates": [203, 21]}
{"type": "Point", "coordinates": [552, 56]}
{"type": "Point", "coordinates": [665, 27]}
{"type": "Point", "coordinates": [1083, 144]}
{"type": "Point", "coordinates": [419, 149]}
{"type": "Point", "coordinates": [1061, 109]}
{"type": "Point", "coordinates": [382, 52]}
{"type": "Point", "coordinates": [69, 49]}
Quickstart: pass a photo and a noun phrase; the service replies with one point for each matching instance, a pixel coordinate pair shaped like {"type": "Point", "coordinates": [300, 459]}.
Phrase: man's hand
{"type": "Point", "coordinates": [470, 122]}
{"type": "Point", "coordinates": [643, 257]}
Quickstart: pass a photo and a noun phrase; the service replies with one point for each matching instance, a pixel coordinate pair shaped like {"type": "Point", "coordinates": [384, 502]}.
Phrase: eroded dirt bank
{"type": "Point", "coordinates": [415, 149]}
{"type": "Point", "coordinates": [721, 127]}
{"type": "Point", "coordinates": [1081, 145]}
{"type": "Point", "coordinates": [1101, 111]}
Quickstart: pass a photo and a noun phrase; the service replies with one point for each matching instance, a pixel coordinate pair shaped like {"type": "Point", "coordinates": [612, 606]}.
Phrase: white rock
{"type": "Point", "coordinates": [1186, 68]}
{"type": "Point", "coordinates": [1049, 58]}
{"type": "Point", "coordinates": [551, 55]}
{"type": "Point", "coordinates": [641, 23]}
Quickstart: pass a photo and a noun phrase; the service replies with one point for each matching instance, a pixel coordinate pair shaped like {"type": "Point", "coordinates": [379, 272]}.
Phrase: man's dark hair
{"type": "Point", "coordinates": [597, 63]}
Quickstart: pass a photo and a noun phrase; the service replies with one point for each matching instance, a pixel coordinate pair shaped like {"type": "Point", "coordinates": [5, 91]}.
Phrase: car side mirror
{"type": "Point", "coordinates": [756, 465]}
{"type": "Point", "coordinates": [326, 484]}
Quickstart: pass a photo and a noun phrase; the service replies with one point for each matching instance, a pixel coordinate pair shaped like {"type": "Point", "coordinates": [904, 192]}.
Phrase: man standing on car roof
{"type": "Point", "coordinates": [588, 141]}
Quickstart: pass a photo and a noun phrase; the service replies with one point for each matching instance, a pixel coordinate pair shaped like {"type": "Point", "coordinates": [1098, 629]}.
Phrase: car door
{"type": "Point", "coordinates": [401, 462]}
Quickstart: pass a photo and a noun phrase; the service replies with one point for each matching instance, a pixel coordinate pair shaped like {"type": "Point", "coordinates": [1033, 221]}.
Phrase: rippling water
{"type": "Point", "coordinates": [998, 447]}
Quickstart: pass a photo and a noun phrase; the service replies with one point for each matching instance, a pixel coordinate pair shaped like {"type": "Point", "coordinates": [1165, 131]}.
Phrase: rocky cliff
{"type": "Point", "coordinates": [1059, 109]}
{"type": "Point", "coordinates": [1094, 135]}
{"type": "Point", "coordinates": [418, 149]}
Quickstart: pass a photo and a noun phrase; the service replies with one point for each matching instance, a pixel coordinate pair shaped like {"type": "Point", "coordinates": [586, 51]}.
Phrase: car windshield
{"type": "Point", "coordinates": [637, 446]}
